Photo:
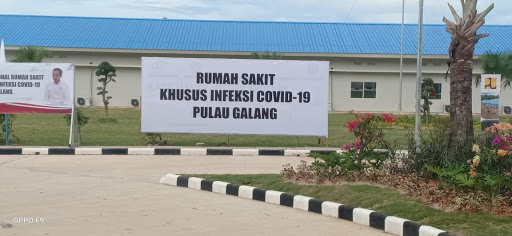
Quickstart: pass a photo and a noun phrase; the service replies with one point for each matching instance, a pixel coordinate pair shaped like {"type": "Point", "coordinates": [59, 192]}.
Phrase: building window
{"type": "Point", "coordinates": [363, 90]}
{"type": "Point", "coordinates": [437, 88]}
{"type": "Point", "coordinates": [437, 91]}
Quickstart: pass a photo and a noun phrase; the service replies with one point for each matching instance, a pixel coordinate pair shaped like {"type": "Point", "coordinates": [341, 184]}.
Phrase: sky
{"type": "Point", "coordinates": [341, 11]}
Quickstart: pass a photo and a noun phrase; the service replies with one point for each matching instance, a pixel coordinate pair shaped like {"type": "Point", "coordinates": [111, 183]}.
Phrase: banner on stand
{"type": "Point", "coordinates": [490, 90]}
{"type": "Point", "coordinates": [37, 88]}
{"type": "Point", "coordinates": [235, 96]}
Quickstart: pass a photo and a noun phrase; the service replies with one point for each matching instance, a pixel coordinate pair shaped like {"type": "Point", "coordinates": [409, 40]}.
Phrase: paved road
{"type": "Point", "coordinates": [121, 195]}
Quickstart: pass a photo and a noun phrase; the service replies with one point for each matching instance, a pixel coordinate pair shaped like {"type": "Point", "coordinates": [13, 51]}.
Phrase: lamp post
{"type": "Point", "coordinates": [417, 136]}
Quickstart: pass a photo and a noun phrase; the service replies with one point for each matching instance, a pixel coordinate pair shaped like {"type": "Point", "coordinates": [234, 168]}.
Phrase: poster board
{"type": "Point", "coordinates": [234, 96]}
{"type": "Point", "coordinates": [41, 88]}
{"type": "Point", "coordinates": [37, 88]}
{"type": "Point", "coordinates": [490, 91]}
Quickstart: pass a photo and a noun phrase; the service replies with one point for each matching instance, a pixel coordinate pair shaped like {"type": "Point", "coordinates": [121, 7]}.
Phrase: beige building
{"type": "Point", "coordinates": [364, 70]}
{"type": "Point", "coordinates": [345, 71]}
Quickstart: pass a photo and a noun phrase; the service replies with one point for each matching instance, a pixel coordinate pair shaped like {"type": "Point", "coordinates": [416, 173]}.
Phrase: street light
{"type": "Point", "coordinates": [417, 136]}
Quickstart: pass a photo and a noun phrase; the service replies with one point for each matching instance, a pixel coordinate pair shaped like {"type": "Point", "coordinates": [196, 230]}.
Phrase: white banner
{"type": "Point", "coordinates": [235, 96]}
{"type": "Point", "coordinates": [36, 88]}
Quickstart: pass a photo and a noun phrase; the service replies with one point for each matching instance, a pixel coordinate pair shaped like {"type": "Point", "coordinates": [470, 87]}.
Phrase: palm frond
{"type": "Point", "coordinates": [497, 63]}
{"type": "Point", "coordinates": [267, 56]}
{"type": "Point", "coordinates": [31, 54]}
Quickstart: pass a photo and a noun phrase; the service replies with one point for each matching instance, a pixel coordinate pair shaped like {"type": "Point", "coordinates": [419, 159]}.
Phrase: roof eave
{"type": "Point", "coordinates": [230, 53]}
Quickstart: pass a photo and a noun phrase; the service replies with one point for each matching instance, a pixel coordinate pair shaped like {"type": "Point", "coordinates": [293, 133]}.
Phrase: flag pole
{"type": "Point", "coordinates": [2, 60]}
{"type": "Point", "coordinates": [401, 58]}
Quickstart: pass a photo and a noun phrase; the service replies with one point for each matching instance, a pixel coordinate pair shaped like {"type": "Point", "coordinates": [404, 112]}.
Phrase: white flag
{"type": "Point", "coordinates": [2, 52]}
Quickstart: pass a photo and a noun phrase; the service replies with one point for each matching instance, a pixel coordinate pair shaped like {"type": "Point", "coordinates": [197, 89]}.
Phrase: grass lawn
{"type": "Point", "coordinates": [51, 130]}
{"type": "Point", "coordinates": [385, 200]}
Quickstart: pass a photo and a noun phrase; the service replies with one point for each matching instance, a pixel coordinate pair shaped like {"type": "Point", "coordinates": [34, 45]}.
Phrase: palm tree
{"type": "Point", "coordinates": [461, 50]}
{"type": "Point", "coordinates": [31, 54]}
{"type": "Point", "coordinates": [497, 63]}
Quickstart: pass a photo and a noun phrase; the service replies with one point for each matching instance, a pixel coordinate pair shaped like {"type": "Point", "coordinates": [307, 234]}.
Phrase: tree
{"type": "Point", "coordinates": [427, 93]}
{"type": "Point", "coordinates": [461, 50]}
{"type": "Point", "coordinates": [31, 54]}
{"type": "Point", "coordinates": [497, 63]}
{"type": "Point", "coordinates": [267, 56]}
{"type": "Point", "coordinates": [109, 72]}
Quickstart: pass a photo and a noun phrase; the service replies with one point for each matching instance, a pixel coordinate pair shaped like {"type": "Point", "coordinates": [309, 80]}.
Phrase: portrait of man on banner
{"type": "Point", "coordinates": [57, 92]}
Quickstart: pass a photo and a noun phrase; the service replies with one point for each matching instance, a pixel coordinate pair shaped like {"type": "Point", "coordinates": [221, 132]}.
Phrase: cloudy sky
{"type": "Point", "coordinates": [352, 11]}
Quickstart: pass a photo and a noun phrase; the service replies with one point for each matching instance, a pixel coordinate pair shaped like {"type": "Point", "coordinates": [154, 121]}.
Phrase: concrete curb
{"type": "Point", "coordinates": [389, 224]}
{"type": "Point", "coordinates": [185, 151]}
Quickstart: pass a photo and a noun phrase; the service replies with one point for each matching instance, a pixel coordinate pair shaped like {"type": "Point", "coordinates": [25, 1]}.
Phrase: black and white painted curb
{"type": "Point", "coordinates": [159, 151]}
{"type": "Point", "coordinates": [389, 224]}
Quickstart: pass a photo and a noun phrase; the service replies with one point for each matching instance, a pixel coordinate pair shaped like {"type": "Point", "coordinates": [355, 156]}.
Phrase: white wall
{"type": "Point", "coordinates": [409, 93]}
{"type": "Point", "coordinates": [126, 87]}
{"type": "Point", "coordinates": [383, 71]}
{"type": "Point", "coordinates": [385, 100]}
{"type": "Point", "coordinates": [386, 72]}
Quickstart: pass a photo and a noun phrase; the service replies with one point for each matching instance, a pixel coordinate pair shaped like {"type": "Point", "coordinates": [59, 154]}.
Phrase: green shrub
{"type": "Point", "coordinates": [154, 139]}
{"type": "Point", "coordinates": [433, 150]}
{"type": "Point", "coordinates": [367, 130]}
{"type": "Point", "coordinates": [486, 167]}
{"type": "Point", "coordinates": [81, 119]}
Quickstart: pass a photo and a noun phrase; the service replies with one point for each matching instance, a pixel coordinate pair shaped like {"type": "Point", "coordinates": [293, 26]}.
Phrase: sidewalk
{"type": "Point", "coordinates": [121, 195]}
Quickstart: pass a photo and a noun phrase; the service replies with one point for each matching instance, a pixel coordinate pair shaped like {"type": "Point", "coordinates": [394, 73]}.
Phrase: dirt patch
{"type": "Point", "coordinates": [339, 183]}
{"type": "Point", "coordinates": [400, 190]}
